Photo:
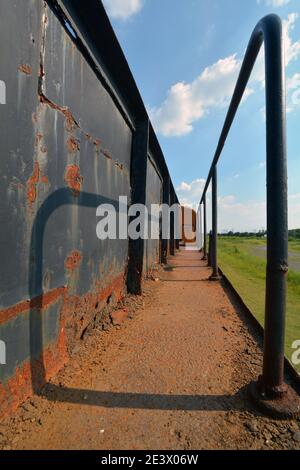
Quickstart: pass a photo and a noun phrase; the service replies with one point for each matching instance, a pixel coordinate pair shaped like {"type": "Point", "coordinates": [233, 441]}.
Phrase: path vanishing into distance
{"type": "Point", "coordinates": [170, 372]}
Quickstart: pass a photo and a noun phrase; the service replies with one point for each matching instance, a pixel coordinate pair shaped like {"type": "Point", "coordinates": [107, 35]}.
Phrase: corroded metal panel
{"type": "Point", "coordinates": [153, 196]}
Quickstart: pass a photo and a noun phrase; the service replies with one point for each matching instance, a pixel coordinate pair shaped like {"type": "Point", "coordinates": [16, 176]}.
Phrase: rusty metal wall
{"type": "Point", "coordinates": [66, 138]}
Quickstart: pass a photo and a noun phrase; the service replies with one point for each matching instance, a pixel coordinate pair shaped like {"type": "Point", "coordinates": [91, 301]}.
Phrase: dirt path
{"type": "Point", "coordinates": [171, 377]}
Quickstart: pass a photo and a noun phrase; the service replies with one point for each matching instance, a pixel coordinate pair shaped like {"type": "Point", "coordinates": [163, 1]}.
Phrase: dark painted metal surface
{"type": "Point", "coordinates": [73, 134]}
{"type": "Point", "coordinates": [165, 244]}
{"type": "Point", "coordinates": [269, 32]}
{"type": "Point", "coordinates": [204, 229]}
{"type": "Point", "coordinates": [172, 223]}
{"type": "Point", "coordinates": [139, 181]}
{"type": "Point", "coordinates": [214, 240]}
{"type": "Point", "coordinates": [154, 197]}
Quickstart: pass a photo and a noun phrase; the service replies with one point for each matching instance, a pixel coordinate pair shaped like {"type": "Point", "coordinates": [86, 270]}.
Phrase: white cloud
{"type": "Point", "coordinates": [190, 193]}
{"type": "Point", "coordinates": [274, 3]}
{"type": "Point", "coordinates": [233, 214]}
{"type": "Point", "coordinates": [292, 49]}
{"type": "Point", "coordinates": [186, 103]}
{"type": "Point", "coordinates": [293, 92]}
{"type": "Point", "coordinates": [251, 215]}
{"type": "Point", "coordinates": [122, 9]}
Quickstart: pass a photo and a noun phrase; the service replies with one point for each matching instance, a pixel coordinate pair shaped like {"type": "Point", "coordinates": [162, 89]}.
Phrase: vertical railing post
{"type": "Point", "coordinates": [270, 392]}
{"type": "Point", "coordinates": [204, 230]}
{"type": "Point", "coordinates": [138, 177]}
{"type": "Point", "coordinates": [166, 201]}
{"type": "Point", "coordinates": [214, 252]}
{"type": "Point", "coordinates": [172, 224]}
{"type": "Point", "coordinates": [277, 223]}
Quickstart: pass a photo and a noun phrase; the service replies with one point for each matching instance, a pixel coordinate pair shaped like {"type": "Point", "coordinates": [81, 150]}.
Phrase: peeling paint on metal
{"type": "Point", "coordinates": [74, 179]}
{"type": "Point", "coordinates": [26, 69]}
{"type": "Point", "coordinates": [73, 261]}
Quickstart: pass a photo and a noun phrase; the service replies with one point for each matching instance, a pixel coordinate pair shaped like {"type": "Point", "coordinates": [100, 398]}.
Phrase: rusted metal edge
{"type": "Point", "coordinates": [62, 15]}
{"type": "Point", "coordinates": [289, 369]}
{"type": "Point", "coordinates": [135, 110]}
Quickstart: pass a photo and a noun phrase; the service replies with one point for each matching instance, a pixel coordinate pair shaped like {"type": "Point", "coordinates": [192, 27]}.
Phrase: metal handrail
{"type": "Point", "coordinates": [269, 32]}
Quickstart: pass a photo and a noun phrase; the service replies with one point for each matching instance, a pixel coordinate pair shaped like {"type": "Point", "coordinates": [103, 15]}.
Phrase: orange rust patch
{"type": "Point", "coordinates": [73, 145]}
{"type": "Point", "coordinates": [73, 261]}
{"type": "Point", "coordinates": [74, 179]}
{"type": "Point", "coordinates": [76, 313]}
{"type": "Point", "coordinates": [25, 68]}
{"type": "Point", "coordinates": [32, 183]}
{"type": "Point", "coordinates": [41, 302]}
{"type": "Point", "coordinates": [20, 387]}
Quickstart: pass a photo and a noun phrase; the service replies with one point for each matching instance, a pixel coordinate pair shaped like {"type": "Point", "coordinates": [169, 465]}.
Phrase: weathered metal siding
{"type": "Point", "coordinates": [74, 134]}
{"type": "Point", "coordinates": [40, 142]}
{"type": "Point", "coordinates": [153, 196]}
{"type": "Point", "coordinates": [63, 140]}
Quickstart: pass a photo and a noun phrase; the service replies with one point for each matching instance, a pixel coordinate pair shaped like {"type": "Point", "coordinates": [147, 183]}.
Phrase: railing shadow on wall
{"type": "Point", "coordinates": [59, 198]}
{"type": "Point", "coordinates": [270, 392]}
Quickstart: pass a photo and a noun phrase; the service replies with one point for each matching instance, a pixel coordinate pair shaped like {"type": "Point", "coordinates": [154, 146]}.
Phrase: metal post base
{"type": "Point", "coordinates": [215, 277]}
{"type": "Point", "coordinates": [284, 405]}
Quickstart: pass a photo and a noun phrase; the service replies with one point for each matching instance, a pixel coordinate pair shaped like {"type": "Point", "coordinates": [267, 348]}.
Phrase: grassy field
{"type": "Point", "coordinates": [243, 262]}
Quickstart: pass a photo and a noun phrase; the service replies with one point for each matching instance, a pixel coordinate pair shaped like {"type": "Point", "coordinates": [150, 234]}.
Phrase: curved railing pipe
{"type": "Point", "coordinates": [269, 32]}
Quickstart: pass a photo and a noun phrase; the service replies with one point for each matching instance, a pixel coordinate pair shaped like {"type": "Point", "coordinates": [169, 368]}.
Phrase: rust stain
{"type": "Point", "coordinates": [71, 123]}
{"type": "Point", "coordinates": [20, 386]}
{"type": "Point", "coordinates": [97, 142]}
{"type": "Point", "coordinates": [73, 145]}
{"type": "Point", "coordinates": [76, 313]}
{"type": "Point", "coordinates": [106, 154]}
{"type": "Point", "coordinates": [38, 138]}
{"type": "Point", "coordinates": [32, 184]}
{"type": "Point", "coordinates": [25, 68]}
{"type": "Point", "coordinates": [74, 179]}
{"type": "Point", "coordinates": [119, 165]}
{"type": "Point", "coordinates": [41, 302]}
{"type": "Point", "coordinates": [45, 180]}
{"type": "Point", "coordinates": [73, 261]}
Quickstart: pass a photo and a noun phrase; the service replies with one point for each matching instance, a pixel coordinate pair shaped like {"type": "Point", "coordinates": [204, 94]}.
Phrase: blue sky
{"type": "Point", "coordinates": [185, 56]}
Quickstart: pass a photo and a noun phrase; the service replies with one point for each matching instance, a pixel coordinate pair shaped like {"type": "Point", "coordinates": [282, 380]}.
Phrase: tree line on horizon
{"type": "Point", "coordinates": [293, 234]}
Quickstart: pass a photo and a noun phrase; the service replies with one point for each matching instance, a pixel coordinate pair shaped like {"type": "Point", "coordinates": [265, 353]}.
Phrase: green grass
{"type": "Point", "coordinates": [294, 245]}
{"type": "Point", "coordinates": [247, 273]}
